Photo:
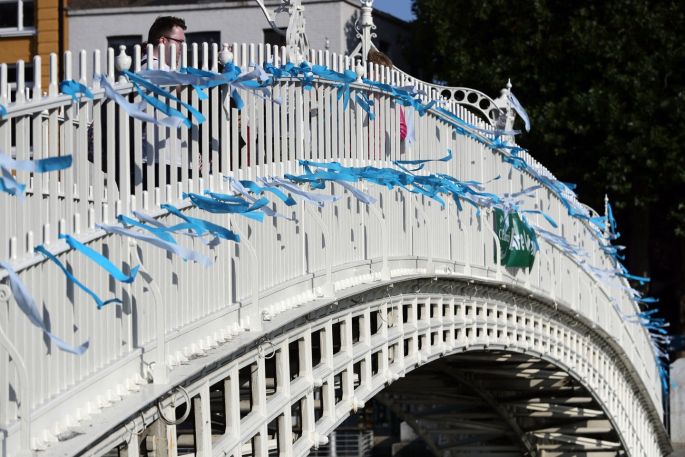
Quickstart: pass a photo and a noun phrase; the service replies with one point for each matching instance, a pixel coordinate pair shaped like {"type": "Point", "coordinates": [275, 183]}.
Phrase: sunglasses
{"type": "Point", "coordinates": [175, 39]}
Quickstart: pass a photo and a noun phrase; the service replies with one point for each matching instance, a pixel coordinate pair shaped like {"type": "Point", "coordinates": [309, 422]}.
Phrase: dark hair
{"type": "Point", "coordinates": [162, 26]}
{"type": "Point", "coordinates": [379, 58]}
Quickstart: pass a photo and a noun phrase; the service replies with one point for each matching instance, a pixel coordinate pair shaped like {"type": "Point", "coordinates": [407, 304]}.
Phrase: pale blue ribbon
{"type": "Point", "coordinates": [9, 184]}
{"type": "Point", "coordinates": [422, 162]}
{"type": "Point", "coordinates": [71, 278]}
{"type": "Point", "coordinates": [166, 109]}
{"type": "Point", "coordinates": [201, 226]}
{"type": "Point", "coordinates": [73, 89]}
{"type": "Point", "coordinates": [245, 187]}
{"type": "Point", "coordinates": [184, 229]}
{"type": "Point", "coordinates": [101, 260]}
{"type": "Point", "coordinates": [159, 232]}
{"type": "Point", "coordinates": [137, 111]}
{"type": "Point", "coordinates": [177, 249]}
{"type": "Point", "coordinates": [311, 197]}
{"type": "Point", "coordinates": [37, 166]}
{"type": "Point", "coordinates": [227, 204]}
{"type": "Point", "coordinates": [519, 109]}
{"type": "Point", "coordinates": [28, 306]}
{"type": "Point", "coordinates": [258, 190]}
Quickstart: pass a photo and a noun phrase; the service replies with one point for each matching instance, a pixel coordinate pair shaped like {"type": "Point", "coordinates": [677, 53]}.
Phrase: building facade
{"type": "Point", "coordinates": [29, 28]}
{"type": "Point", "coordinates": [97, 24]}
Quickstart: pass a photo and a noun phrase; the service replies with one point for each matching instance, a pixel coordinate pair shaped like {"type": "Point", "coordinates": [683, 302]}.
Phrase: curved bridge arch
{"type": "Point", "coordinates": [417, 321]}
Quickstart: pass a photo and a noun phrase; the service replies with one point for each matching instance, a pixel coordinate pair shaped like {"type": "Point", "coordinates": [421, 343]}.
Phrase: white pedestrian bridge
{"type": "Point", "coordinates": [309, 315]}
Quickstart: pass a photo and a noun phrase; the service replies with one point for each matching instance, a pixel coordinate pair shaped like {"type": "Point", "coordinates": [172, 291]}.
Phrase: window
{"type": "Point", "coordinates": [12, 76]}
{"type": "Point", "coordinates": [274, 38]}
{"type": "Point", "coordinates": [127, 40]}
{"type": "Point", "coordinates": [17, 16]}
{"type": "Point", "coordinates": [203, 37]}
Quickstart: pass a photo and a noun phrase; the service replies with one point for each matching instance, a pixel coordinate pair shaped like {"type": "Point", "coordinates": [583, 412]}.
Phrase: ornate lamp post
{"type": "Point", "coordinates": [366, 34]}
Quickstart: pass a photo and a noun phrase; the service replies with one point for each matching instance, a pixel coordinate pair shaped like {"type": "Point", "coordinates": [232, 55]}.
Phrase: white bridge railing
{"type": "Point", "coordinates": [180, 308]}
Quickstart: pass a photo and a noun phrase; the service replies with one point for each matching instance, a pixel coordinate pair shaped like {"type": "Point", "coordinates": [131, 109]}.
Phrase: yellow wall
{"type": "Point", "coordinates": [45, 41]}
{"type": "Point", "coordinates": [15, 48]}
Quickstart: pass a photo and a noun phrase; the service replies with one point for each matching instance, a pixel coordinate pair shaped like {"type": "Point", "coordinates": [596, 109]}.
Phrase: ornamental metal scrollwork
{"type": "Point", "coordinates": [295, 36]}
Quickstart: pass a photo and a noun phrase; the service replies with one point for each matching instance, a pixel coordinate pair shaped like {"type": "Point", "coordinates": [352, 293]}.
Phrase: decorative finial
{"type": "Point", "coordinates": [506, 115]}
{"type": "Point", "coordinates": [225, 56]}
{"type": "Point", "coordinates": [123, 61]}
{"type": "Point", "coordinates": [360, 70]}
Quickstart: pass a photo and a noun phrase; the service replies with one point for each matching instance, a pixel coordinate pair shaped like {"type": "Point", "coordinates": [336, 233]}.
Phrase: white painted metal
{"type": "Point", "coordinates": [312, 261]}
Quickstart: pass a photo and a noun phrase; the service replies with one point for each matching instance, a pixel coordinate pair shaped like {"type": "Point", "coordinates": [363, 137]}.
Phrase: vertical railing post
{"type": "Point", "coordinates": [366, 33]}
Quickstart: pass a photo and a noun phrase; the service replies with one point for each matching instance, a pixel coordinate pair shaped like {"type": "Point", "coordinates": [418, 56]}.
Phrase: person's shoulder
{"type": "Point", "coordinates": [153, 65]}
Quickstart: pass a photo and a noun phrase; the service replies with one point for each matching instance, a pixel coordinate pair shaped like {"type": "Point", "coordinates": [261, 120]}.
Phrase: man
{"type": "Point", "coordinates": [166, 30]}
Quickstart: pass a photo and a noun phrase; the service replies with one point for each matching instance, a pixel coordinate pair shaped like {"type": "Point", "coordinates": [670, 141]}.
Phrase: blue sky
{"type": "Point", "coordinates": [399, 8]}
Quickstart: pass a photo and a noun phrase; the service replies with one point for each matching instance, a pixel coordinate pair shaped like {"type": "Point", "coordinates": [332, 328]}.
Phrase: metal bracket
{"type": "Point", "coordinates": [385, 270]}
{"type": "Point", "coordinates": [498, 248]}
{"type": "Point", "coordinates": [25, 392]}
{"type": "Point", "coordinates": [255, 316]}
{"type": "Point", "coordinates": [430, 266]}
{"type": "Point", "coordinates": [328, 289]}
{"type": "Point", "coordinates": [158, 367]}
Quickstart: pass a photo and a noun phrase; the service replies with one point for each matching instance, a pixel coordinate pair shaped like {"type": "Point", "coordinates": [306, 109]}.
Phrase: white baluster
{"type": "Point", "coordinates": [37, 79]}
{"type": "Point", "coordinates": [83, 67]}
{"type": "Point", "coordinates": [205, 56]}
{"type": "Point", "coordinates": [96, 68]}
{"type": "Point", "coordinates": [19, 97]}
{"type": "Point", "coordinates": [136, 58]}
{"type": "Point", "coordinates": [215, 57]}
{"type": "Point", "coordinates": [110, 65]}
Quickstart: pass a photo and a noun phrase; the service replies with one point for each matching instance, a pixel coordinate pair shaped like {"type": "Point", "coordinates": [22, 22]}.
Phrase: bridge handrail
{"type": "Point", "coordinates": [76, 200]}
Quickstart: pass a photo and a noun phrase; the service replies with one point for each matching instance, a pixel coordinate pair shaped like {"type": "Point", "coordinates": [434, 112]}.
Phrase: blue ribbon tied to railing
{"type": "Point", "coordinates": [74, 89]}
{"type": "Point", "coordinates": [29, 307]}
{"type": "Point", "coordinates": [8, 182]}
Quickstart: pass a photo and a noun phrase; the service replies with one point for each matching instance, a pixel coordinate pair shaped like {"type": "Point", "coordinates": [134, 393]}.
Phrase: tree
{"type": "Point", "coordinates": [604, 87]}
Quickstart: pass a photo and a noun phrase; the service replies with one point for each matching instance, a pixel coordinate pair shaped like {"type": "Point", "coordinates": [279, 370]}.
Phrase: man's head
{"type": "Point", "coordinates": [379, 58]}
{"type": "Point", "coordinates": [168, 30]}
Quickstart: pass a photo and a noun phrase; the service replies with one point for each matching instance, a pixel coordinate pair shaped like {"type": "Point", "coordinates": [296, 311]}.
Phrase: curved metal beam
{"type": "Point", "coordinates": [271, 21]}
{"type": "Point", "coordinates": [411, 420]}
{"type": "Point", "coordinates": [488, 398]}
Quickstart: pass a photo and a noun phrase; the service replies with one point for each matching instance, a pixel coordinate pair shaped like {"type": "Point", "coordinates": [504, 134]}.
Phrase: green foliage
{"type": "Point", "coordinates": [604, 85]}
{"type": "Point", "coordinates": [602, 82]}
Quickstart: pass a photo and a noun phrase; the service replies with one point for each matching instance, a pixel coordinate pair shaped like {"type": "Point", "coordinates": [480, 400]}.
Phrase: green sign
{"type": "Point", "coordinates": [517, 241]}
